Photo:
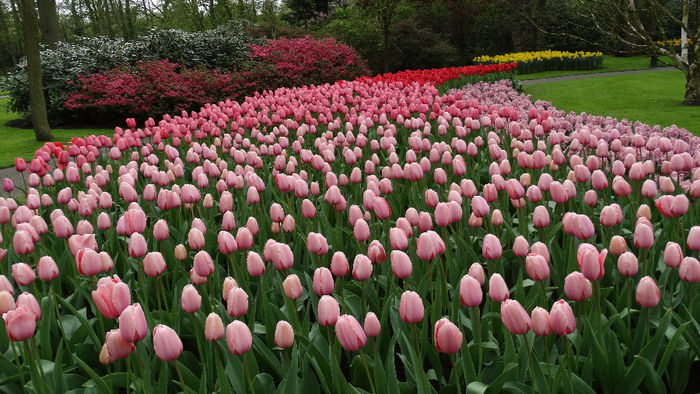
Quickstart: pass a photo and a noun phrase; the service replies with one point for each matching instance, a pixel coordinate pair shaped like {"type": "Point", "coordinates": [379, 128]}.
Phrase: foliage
{"type": "Point", "coordinates": [146, 89]}
{"type": "Point", "coordinates": [303, 61]}
{"type": "Point", "coordinates": [225, 47]}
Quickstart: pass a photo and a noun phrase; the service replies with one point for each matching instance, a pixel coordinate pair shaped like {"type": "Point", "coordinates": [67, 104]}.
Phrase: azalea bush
{"type": "Point", "coordinates": [289, 62]}
{"type": "Point", "coordinates": [146, 89]}
{"type": "Point", "coordinates": [532, 62]}
{"type": "Point", "coordinates": [364, 236]}
{"type": "Point", "coordinates": [225, 47]}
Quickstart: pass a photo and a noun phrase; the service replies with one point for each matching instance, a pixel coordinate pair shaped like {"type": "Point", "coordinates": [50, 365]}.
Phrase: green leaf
{"type": "Point", "coordinates": [264, 383]}
{"type": "Point", "coordinates": [670, 348]}
{"type": "Point", "coordinates": [99, 382]}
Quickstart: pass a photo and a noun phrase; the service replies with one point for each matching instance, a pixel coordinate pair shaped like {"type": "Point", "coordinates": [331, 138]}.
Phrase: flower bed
{"type": "Point", "coordinates": [363, 235]}
{"type": "Point", "coordinates": [532, 62]}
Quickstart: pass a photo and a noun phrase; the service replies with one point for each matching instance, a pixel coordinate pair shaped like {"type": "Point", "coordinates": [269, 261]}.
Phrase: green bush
{"type": "Point", "coordinates": [225, 47]}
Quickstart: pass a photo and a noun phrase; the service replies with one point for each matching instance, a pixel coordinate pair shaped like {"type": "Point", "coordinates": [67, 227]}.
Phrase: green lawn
{"type": "Point", "coordinates": [610, 63]}
{"type": "Point", "coordinates": [18, 142]}
{"type": "Point", "coordinates": [653, 98]}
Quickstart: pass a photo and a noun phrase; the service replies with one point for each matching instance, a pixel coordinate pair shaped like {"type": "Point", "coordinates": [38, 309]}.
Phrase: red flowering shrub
{"type": "Point", "coordinates": [148, 88]}
{"type": "Point", "coordinates": [295, 62]}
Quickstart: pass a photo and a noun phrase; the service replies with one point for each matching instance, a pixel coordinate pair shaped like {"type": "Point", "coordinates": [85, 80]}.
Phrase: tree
{"type": "Point", "coordinates": [30, 27]}
{"type": "Point", "coordinates": [647, 26]}
{"type": "Point", "coordinates": [48, 22]}
{"type": "Point", "coordinates": [385, 10]}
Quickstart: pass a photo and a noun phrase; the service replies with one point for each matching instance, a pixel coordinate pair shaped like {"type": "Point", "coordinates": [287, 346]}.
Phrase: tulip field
{"type": "Point", "coordinates": [373, 235]}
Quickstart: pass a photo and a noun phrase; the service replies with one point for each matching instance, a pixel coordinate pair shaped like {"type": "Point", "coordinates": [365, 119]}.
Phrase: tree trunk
{"type": "Point", "coordinates": [18, 23]}
{"type": "Point", "coordinates": [385, 48]}
{"type": "Point", "coordinates": [48, 22]}
{"type": "Point", "coordinates": [692, 84]}
{"type": "Point", "coordinates": [30, 26]}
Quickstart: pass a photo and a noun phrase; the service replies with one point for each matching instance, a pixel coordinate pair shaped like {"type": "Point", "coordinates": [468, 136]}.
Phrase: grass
{"type": "Point", "coordinates": [17, 142]}
{"type": "Point", "coordinates": [610, 63]}
{"type": "Point", "coordinates": [653, 98]}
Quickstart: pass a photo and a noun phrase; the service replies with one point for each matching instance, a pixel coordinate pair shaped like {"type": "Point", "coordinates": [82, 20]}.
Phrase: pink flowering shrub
{"type": "Point", "coordinates": [147, 88]}
{"type": "Point", "coordinates": [293, 62]}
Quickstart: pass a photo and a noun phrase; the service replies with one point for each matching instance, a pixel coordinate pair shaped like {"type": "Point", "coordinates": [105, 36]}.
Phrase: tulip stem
{"type": "Point", "coordinates": [140, 364]}
{"type": "Point", "coordinates": [477, 322]}
{"type": "Point", "coordinates": [19, 366]}
{"type": "Point", "coordinates": [568, 354]}
{"type": "Point", "coordinates": [532, 360]}
{"type": "Point", "coordinates": [629, 303]}
{"type": "Point", "coordinates": [33, 364]}
{"type": "Point", "coordinates": [415, 338]}
{"type": "Point", "coordinates": [364, 299]}
{"type": "Point", "coordinates": [182, 381]}
{"type": "Point", "coordinates": [369, 377]}
{"type": "Point", "coordinates": [544, 293]}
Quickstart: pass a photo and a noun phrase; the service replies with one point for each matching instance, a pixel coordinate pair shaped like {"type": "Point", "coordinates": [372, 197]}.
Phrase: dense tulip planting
{"type": "Point", "coordinates": [532, 62]}
{"type": "Point", "coordinates": [362, 236]}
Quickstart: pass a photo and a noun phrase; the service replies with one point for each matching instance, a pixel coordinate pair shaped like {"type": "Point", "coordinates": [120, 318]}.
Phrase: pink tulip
{"type": "Point", "coordinates": [590, 262]}
{"type": "Point", "coordinates": [281, 256]}
{"type": "Point", "coordinates": [401, 264]}
{"type": "Point", "coordinates": [361, 230]}
{"type": "Point", "coordinates": [643, 236]}
{"type": "Point", "coordinates": [137, 245]}
{"type": "Point", "coordinates": [284, 334]}
{"type": "Point", "coordinates": [470, 293]}
{"type": "Point", "coordinates": [27, 300]}
{"type": "Point", "coordinates": [23, 274]}
{"type": "Point", "coordinates": [618, 245]}
{"type": "Point", "coordinates": [132, 323]}
{"type": "Point", "coordinates": [520, 246]}
{"type": "Point", "coordinates": [292, 287]}
{"type": "Point", "coordinates": [117, 346]}
{"type": "Point", "coordinates": [361, 267]}
{"type": "Point", "coordinates": [276, 213]}
{"type": "Point", "coordinates": [195, 238]}
{"type": "Point", "coordinates": [381, 208]}
{"type": "Point", "coordinates": [22, 242]}
{"type": "Point", "coordinates": [5, 285]}
{"type": "Point", "coordinates": [536, 267]}
{"type": "Point", "coordinates": [328, 311]}
{"type": "Point", "coordinates": [227, 244]}
{"type": "Point", "coordinates": [627, 264]}
{"type": "Point", "coordinates": [350, 333]}
{"type": "Point", "coordinates": [166, 343]}
{"type": "Point", "coordinates": [648, 294]}
{"type": "Point", "coordinates": [673, 255]}
{"type": "Point", "coordinates": [62, 227]}
{"type": "Point", "coordinates": [577, 287]}
{"type": "Point", "coordinates": [491, 247]}
{"type": "Point", "coordinates": [88, 262]}
{"type": "Point", "coordinates": [447, 336]}
{"type": "Point", "coordinates": [213, 327]}
{"type": "Point", "coordinates": [237, 302]}
{"type": "Point", "coordinates": [480, 207]}
{"type": "Point", "coordinates": [323, 281]}
{"type": "Point", "coordinates": [561, 318]}
{"type": "Point", "coordinates": [47, 269]}
{"type": "Point", "coordinates": [476, 271]}
{"type": "Point", "coordinates": [689, 270]}
{"type": "Point", "coordinates": [411, 307]}
{"type": "Point", "coordinates": [190, 300]}
{"type": "Point", "coordinates": [203, 264]}
{"type": "Point", "coordinates": [339, 264]}
{"type": "Point", "coordinates": [498, 290]}
{"type": "Point", "coordinates": [316, 244]}
{"type": "Point", "coordinates": [693, 240]}
{"type": "Point", "coordinates": [515, 317]}
{"type": "Point", "coordinates": [154, 264]}
{"type": "Point", "coordinates": [244, 238]}
{"type": "Point", "coordinates": [238, 337]}
{"type": "Point", "coordinates": [161, 232]}
{"type": "Point", "coordinates": [372, 326]}
{"type": "Point", "coordinates": [7, 302]}
{"type": "Point", "coordinates": [541, 322]}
